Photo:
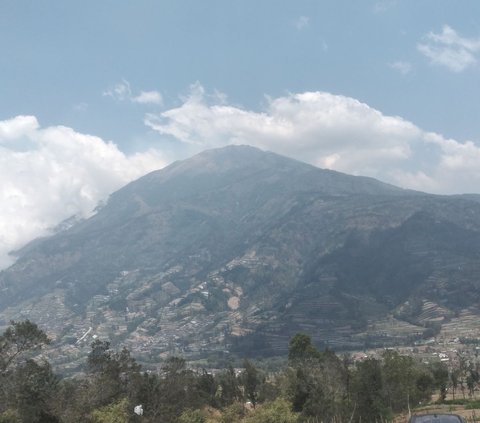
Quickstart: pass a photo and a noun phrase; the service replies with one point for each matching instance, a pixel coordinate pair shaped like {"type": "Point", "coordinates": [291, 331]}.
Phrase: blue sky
{"type": "Point", "coordinates": [96, 93]}
{"type": "Point", "coordinates": [59, 55]}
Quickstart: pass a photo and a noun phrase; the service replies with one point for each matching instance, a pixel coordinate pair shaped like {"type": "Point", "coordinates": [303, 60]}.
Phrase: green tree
{"type": "Point", "coordinates": [151, 394]}
{"type": "Point", "coordinates": [316, 381]}
{"type": "Point", "coordinates": [166, 396]}
{"type": "Point", "coordinates": [228, 387]}
{"type": "Point", "coordinates": [19, 339]}
{"type": "Point", "coordinates": [369, 397]}
{"type": "Point", "coordinates": [440, 376]}
{"type": "Point", "coordinates": [300, 348]}
{"type": "Point", "coordinates": [454, 378]}
{"type": "Point", "coordinates": [298, 387]}
{"type": "Point", "coordinates": [33, 392]}
{"type": "Point", "coordinates": [26, 387]}
{"type": "Point", "coordinates": [302, 358]}
{"type": "Point", "coordinates": [401, 377]}
{"type": "Point", "coordinates": [74, 401]}
{"type": "Point", "coordinates": [113, 375]}
{"type": "Point", "coordinates": [251, 381]}
{"type": "Point", "coordinates": [470, 385]}
{"type": "Point", "coordinates": [207, 387]}
{"type": "Point", "coordinates": [113, 413]}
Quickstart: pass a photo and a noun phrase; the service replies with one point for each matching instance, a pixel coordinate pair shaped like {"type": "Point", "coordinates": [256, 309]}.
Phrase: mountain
{"type": "Point", "coordinates": [236, 249]}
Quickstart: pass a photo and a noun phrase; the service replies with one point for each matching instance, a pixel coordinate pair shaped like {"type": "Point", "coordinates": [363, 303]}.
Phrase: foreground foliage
{"type": "Point", "coordinates": [314, 386]}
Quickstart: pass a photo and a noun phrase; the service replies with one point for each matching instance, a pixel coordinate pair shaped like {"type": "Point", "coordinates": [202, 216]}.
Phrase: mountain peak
{"type": "Point", "coordinates": [221, 167]}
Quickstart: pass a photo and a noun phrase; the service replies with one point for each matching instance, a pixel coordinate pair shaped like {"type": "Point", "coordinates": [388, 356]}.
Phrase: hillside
{"type": "Point", "coordinates": [238, 249]}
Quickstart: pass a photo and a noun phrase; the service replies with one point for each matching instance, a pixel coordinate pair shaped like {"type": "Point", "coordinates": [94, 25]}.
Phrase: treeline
{"type": "Point", "coordinates": [315, 386]}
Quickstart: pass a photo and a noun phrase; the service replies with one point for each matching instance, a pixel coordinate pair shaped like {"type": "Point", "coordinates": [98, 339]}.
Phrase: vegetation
{"type": "Point", "coordinates": [314, 386]}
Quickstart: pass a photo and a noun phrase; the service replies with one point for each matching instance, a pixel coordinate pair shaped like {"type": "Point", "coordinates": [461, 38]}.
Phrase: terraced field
{"type": "Point", "coordinates": [465, 325]}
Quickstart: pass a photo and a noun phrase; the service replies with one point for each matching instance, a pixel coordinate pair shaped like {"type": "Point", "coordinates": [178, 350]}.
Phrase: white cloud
{"type": "Point", "coordinates": [302, 22]}
{"type": "Point", "coordinates": [120, 91]}
{"type": "Point", "coordinates": [403, 67]}
{"type": "Point", "coordinates": [324, 46]}
{"type": "Point", "coordinates": [80, 107]}
{"type": "Point", "coordinates": [17, 127]}
{"type": "Point", "coordinates": [329, 131]}
{"type": "Point", "coordinates": [382, 6]}
{"type": "Point", "coordinates": [62, 173]}
{"type": "Point", "coordinates": [123, 92]}
{"type": "Point", "coordinates": [450, 49]}
{"type": "Point", "coordinates": [311, 126]}
{"type": "Point", "coordinates": [148, 97]}
{"type": "Point", "coordinates": [458, 165]}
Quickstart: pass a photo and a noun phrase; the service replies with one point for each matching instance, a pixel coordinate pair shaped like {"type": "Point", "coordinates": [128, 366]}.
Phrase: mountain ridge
{"type": "Point", "coordinates": [236, 248]}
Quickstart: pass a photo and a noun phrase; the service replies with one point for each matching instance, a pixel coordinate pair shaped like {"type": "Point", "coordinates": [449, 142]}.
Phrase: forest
{"type": "Point", "coordinates": [313, 386]}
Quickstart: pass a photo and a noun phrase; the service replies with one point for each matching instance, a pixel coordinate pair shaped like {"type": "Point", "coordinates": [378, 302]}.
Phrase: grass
{"type": "Point", "coordinates": [469, 404]}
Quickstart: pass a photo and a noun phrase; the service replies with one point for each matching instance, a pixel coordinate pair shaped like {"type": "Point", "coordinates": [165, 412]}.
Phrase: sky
{"type": "Point", "coordinates": [95, 94]}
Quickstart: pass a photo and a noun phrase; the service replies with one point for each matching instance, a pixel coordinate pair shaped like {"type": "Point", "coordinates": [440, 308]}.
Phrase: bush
{"type": "Point", "coordinates": [278, 411]}
{"type": "Point", "coordinates": [233, 413]}
{"type": "Point", "coordinates": [112, 413]}
{"type": "Point", "coordinates": [192, 416]}
{"type": "Point", "coordinates": [9, 416]}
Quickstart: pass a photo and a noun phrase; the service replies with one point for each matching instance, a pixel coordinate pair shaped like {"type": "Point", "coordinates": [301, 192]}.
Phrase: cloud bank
{"type": "Point", "coordinates": [49, 174]}
{"type": "Point", "coordinates": [330, 131]}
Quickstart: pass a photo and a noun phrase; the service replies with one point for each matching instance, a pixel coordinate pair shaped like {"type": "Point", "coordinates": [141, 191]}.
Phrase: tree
{"type": "Point", "coordinates": [33, 392]}
{"type": "Point", "coordinates": [298, 388]}
{"type": "Point", "coordinates": [440, 376]}
{"type": "Point", "coordinates": [100, 357]}
{"type": "Point", "coordinates": [454, 377]}
{"type": "Point", "coordinates": [166, 396]}
{"type": "Point", "coordinates": [470, 385]}
{"type": "Point", "coordinates": [17, 340]}
{"type": "Point", "coordinates": [180, 384]}
{"type": "Point", "coordinates": [401, 381]}
{"type": "Point", "coordinates": [369, 396]}
{"type": "Point", "coordinates": [300, 348]}
{"type": "Point", "coordinates": [251, 380]}
{"type": "Point", "coordinates": [113, 374]}
{"type": "Point", "coordinates": [474, 376]}
{"type": "Point", "coordinates": [425, 384]}
{"type": "Point", "coordinates": [302, 358]}
{"type": "Point", "coordinates": [150, 394]}
{"type": "Point", "coordinates": [207, 387]}
{"type": "Point", "coordinates": [25, 386]}
{"type": "Point", "coordinates": [316, 381]}
{"type": "Point", "coordinates": [228, 387]}
{"type": "Point", "coordinates": [74, 400]}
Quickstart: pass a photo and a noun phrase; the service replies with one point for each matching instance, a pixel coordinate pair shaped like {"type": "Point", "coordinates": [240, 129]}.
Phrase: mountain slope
{"type": "Point", "coordinates": [237, 248]}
